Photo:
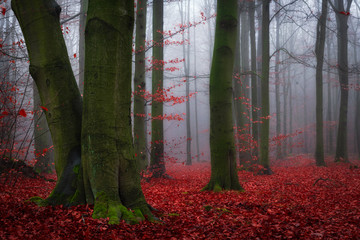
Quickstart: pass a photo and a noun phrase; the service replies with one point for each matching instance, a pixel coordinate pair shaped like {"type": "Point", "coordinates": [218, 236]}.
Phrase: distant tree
{"type": "Point", "coordinates": [342, 15]}
{"type": "Point", "coordinates": [254, 80]}
{"type": "Point", "coordinates": [139, 86]}
{"type": "Point", "coordinates": [319, 52]}
{"type": "Point", "coordinates": [277, 77]}
{"type": "Point", "coordinates": [104, 173]}
{"type": "Point", "coordinates": [223, 161]}
{"type": "Point", "coordinates": [265, 99]}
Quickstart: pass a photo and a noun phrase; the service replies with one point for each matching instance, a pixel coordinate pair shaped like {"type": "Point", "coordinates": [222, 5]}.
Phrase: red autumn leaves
{"type": "Point", "coordinates": [300, 201]}
{"type": "Point", "coordinates": [345, 13]}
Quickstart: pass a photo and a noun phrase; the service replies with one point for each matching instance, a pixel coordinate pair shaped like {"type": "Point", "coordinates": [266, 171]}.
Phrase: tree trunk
{"type": "Point", "coordinates": [223, 161]}
{"type": "Point", "coordinates": [265, 99]}
{"type": "Point", "coordinates": [319, 52]}
{"type": "Point", "coordinates": [157, 163]}
{"type": "Point", "coordinates": [106, 173]}
{"type": "Point", "coordinates": [139, 87]}
{"type": "Point", "coordinates": [342, 38]}
{"type": "Point", "coordinates": [50, 68]}
{"type": "Point", "coordinates": [277, 78]}
{"type": "Point", "coordinates": [254, 85]}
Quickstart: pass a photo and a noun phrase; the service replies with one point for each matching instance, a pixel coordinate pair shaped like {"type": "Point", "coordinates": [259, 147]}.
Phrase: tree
{"type": "Point", "coordinates": [104, 173]}
{"type": "Point", "coordinates": [139, 86]}
{"type": "Point", "coordinates": [254, 84]}
{"type": "Point", "coordinates": [319, 52]}
{"type": "Point", "coordinates": [157, 163]}
{"type": "Point", "coordinates": [223, 161]}
{"type": "Point", "coordinates": [277, 78]}
{"type": "Point", "coordinates": [342, 16]}
{"type": "Point", "coordinates": [265, 99]}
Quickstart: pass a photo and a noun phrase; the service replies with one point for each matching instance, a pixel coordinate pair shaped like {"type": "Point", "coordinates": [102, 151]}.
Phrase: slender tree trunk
{"type": "Point", "coordinates": [277, 78]}
{"type": "Point", "coordinates": [157, 163]}
{"type": "Point", "coordinates": [196, 97]}
{"type": "Point", "coordinates": [223, 161]}
{"type": "Point", "coordinates": [139, 87]}
{"type": "Point", "coordinates": [319, 52]}
{"type": "Point", "coordinates": [306, 148]}
{"type": "Point", "coordinates": [254, 85]}
{"type": "Point", "coordinates": [244, 77]}
{"type": "Point", "coordinates": [265, 99]}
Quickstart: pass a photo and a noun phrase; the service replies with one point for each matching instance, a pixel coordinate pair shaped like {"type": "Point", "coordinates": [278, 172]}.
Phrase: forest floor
{"type": "Point", "coordinates": [299, 201]}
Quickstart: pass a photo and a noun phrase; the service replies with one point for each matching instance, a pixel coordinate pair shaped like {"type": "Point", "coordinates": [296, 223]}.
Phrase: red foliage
{"type": "Point", "coordinates": [22, 113]}
{"type": "Point", "coordinates": [299, 201]}
{"type": "Point", "coordinates": [44, 108]}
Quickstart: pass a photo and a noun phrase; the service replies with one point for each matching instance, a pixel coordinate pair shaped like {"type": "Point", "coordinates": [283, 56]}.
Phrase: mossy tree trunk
{"type": "Point", "coordinates": [265, 99]}
{"type": "Point", "coordinates": [319, 52]}
{"type": "Point", "coordinates": [223, 161]}
{"type": "Point", "coordinates": [139, 86]}
{"type": "Point", "coordinates": [106, 174]}
{"type": "Point", "coordinates": [157, 163]}
{"type": "Point", "coordinates": [83, 12]}
{"type": "Point", "coordinates": [111, 176]}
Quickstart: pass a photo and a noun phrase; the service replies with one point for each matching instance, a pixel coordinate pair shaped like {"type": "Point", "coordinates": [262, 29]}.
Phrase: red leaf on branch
{"type": "Point", "coordinates": [44, 108]}
{"type": "Point", "coordinates": [22, 113]}
{"type": "Point", "coordinates": [3, 11]}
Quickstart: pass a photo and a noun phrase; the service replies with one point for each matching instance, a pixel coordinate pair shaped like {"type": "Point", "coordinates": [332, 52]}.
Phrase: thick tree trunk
{"type": "Point", "coordinates": [139, 87]}
{"type": "Point", "coordinates": [157, 163]}
{"type": "Point", "coordinates": [51, 70]}
{"type": "Point", "coordinates": [223, 161]}
{"type": "Point", "coordinates": [110, 170]}
{"type": "Point", "coordinates": [265, 98]}
{"type": "Point", "coordinates": [106, 174]}
{"type": "Point", "coordinates": [319, 52]}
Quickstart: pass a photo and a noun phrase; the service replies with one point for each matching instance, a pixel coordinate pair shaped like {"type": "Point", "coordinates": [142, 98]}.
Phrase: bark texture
{"type": "Point", "coordinates": [139, 87]}
{"type": "Point", "coordinates": [223, 161]}
{"type": "Point", "coordinates": [319, 51]}
{"type": "Point", "coordinates": [157, 164]}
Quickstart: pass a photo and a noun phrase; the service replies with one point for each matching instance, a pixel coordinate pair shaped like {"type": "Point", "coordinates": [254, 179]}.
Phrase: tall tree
{"type": "Point", "coordinates": [342, 15]}
{"type": "Point", "coordinates": [254, 79]}
{"type": "Point", "coordinates": [265, 98]}
{"type": "Point", "coordinates": [223, 161]}
{"type": "Point", "coordinates": [139, 86]}
{"type": "Point", "coordinates": [319, 52]}
{"type": "Point", "coordinates": [157, 163]}
{"type": "Point", "coordinates": [277, 77]}
{"type": "Point", "coordinates": [106, 173]}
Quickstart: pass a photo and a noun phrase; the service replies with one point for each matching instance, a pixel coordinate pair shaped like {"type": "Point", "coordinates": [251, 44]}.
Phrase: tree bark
{"type": "Point", "coordinates": [319, 52]}
{"type": "Point", "coordinates": [139, 87]}
{"type": "Point", "coordinates": [265, 98]}
{"type": "Point", "coordinates": [157, 163]}
{"type": "Point", "coordinates": [223, 161]}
